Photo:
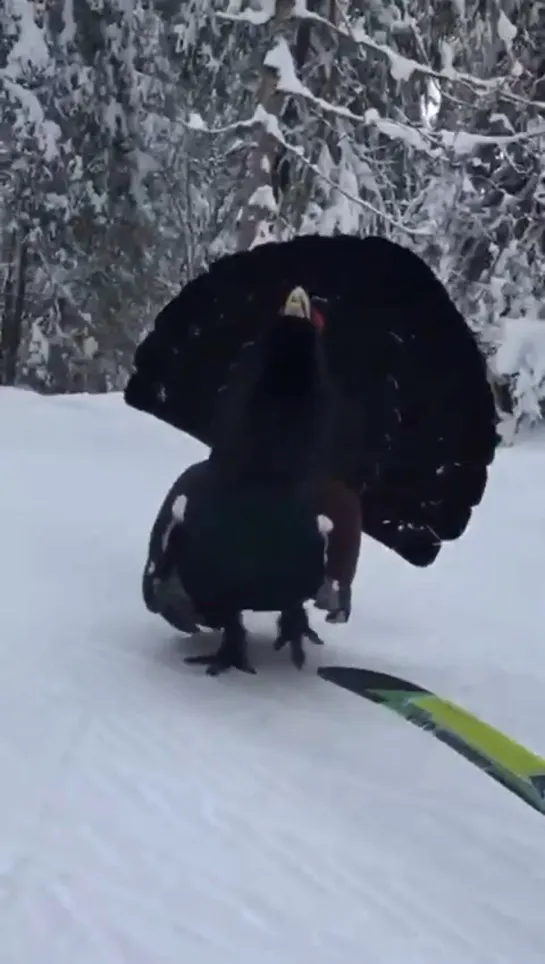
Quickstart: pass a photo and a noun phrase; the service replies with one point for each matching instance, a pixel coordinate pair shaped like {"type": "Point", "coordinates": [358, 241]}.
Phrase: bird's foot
{"type": "Point", "coordinates": [293, 629]}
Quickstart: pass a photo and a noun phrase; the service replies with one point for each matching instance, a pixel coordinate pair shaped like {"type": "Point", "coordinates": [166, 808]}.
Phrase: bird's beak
{"type": "Point", "coordinates": [297, 304]}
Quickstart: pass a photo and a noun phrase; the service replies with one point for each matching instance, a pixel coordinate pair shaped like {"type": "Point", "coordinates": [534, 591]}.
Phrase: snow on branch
{"type": "Point", "coordinates": [31, 113]}
{"type": "Point", "coordinates": [280, 59]}
{"type": "Point", "coordinates": [460, 142]}
{"type": "Point", "coordinates": [463, 142]}
{"type": "Point", "coordinates": [401, 68]}
{"type": "Point", "coordinates": [266, 14]}
{"type": "Point", "coordinates": [270, 123]}
{"type": "Point", "coordinates": [255, 17]}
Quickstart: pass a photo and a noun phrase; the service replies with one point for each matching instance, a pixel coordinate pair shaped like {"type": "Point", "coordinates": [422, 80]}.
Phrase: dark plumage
{"type": "Point", "coordinates": [272, 421]}
{"type": "Point", "coordinates": [249, 535]}
{"type": "Point", "coordinates": [412, 425]}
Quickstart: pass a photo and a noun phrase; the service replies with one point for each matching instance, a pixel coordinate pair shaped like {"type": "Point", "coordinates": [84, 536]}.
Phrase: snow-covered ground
{"type": "Point", "coordinates": [152, 815]}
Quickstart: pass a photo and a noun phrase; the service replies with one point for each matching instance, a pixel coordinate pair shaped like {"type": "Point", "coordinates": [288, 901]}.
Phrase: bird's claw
{"type": "Point", "coordinates": [217, 663]}
{"type": "Point", "coordinates": [293, 630]}
{"type": "Point", "coordinates": [232, 654]}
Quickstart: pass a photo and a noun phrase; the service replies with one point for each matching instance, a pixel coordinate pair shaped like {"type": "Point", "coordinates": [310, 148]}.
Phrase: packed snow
{"type": "Point", "coordinates": [152, 815]}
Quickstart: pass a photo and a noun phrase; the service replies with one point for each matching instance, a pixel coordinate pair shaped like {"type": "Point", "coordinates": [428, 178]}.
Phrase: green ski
{"type": "Point", "coordinates": [516, 768]}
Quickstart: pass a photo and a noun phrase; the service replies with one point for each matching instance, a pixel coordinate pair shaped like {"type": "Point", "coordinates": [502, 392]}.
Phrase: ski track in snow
{"type": "Point", "coordinates": [151, 815]}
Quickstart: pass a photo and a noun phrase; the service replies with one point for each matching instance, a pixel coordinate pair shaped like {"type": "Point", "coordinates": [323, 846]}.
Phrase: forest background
{"type": "Point", "coordinates": [141, 139]}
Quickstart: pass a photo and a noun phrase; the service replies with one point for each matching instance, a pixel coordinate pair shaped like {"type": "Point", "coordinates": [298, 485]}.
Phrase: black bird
{"type": "Point", "coordinates": [240, 531]}
{"type": "Point", "coordinates": [401, 399]}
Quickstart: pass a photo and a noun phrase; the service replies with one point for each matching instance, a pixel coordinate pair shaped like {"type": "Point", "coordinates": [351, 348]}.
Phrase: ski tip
{"type": "Point", "coordinates": [348, 677]}
{"type": "Point", "coordinates": [366, 681]}
{"type": "Point", "coordinates": [330, 672]}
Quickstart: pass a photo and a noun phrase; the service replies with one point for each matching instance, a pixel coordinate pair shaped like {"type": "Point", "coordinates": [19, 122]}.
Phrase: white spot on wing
{"type": "Point", "coordinates": [179, 507]}
{"type": "Point", "coordinates": [325, 525]}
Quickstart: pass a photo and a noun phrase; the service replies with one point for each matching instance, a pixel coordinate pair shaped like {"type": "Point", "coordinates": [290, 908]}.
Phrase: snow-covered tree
{"type": "Point", "coordinates": [69, 92]}
{"type": "Point", "coordinates": [423, 122]}
{"type": "Point", "coordinates": [139, 139]}
{"type": "Point", "coordinates": [108, 192]}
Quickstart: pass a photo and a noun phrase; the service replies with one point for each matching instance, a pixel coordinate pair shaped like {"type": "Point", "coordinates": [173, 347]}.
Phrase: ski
{"type": "Point", "coordinates": [516, 768]}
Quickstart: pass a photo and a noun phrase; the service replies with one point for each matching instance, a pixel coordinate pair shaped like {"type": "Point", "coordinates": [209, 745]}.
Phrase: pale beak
{"type": "Point", "coordinates": [297, 304]}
